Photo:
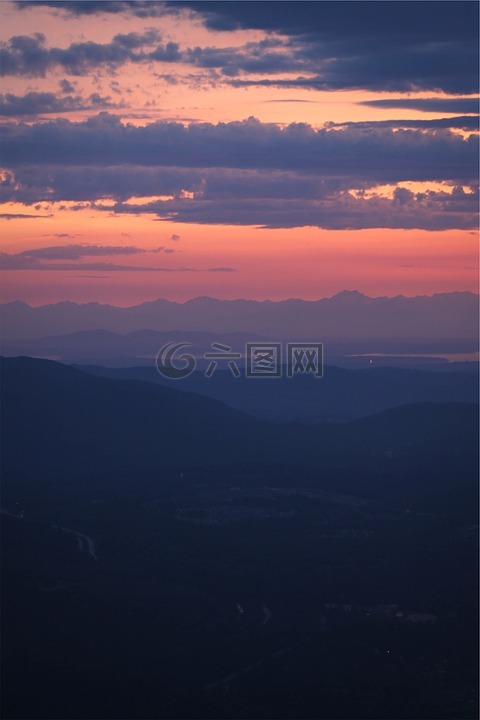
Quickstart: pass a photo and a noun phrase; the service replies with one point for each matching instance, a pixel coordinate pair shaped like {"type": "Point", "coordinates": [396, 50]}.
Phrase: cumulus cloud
{"type": "Point", "coordinates": [66, 86]}
{"type": "Point", "coordinates": [342, 210]}
{"type": "Point", "coordinates": [29, 55]}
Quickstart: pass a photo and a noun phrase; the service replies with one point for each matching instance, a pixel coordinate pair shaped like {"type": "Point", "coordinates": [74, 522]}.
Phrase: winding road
{"type": "Point", "coordinates": [85, 542]}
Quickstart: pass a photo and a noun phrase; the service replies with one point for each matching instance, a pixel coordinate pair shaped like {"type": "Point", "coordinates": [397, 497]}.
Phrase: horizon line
{"type": "Point", "coordinates": [345, 292]}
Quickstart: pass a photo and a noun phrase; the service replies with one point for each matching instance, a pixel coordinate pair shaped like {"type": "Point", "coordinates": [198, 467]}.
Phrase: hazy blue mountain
{"type": "Point", "coordinates": [347, 314]}
{"type": "Point", "coordinates": [340, 395]}
{"type": "Point", "coordinates": [115, 349]}
{"type": "Point", "coordinates": [140, 347]}
{"type": "Point", "coordinates": [71, 421]}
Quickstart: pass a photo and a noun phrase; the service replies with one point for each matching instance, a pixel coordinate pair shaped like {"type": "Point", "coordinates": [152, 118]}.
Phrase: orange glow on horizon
{"type": "Point", "coordinates": [275, 264]}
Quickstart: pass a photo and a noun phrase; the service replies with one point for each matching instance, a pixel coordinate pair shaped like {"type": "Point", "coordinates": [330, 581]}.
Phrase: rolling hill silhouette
{"type": "Point", "coordinates": [340, 395]}
{"type": "Point", "coordinates": [227, 546]}
{"type": "Point", "coordinates": [65, 426]}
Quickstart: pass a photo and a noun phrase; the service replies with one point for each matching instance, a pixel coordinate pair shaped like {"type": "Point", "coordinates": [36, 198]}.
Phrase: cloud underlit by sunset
{"type": "Point", "coordinates": [256, 150]}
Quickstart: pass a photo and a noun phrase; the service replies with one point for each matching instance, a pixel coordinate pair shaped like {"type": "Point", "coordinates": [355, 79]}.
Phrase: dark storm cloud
{"type": "Point", "coordinates": [385, 22]}
{"type": "Point", "coordinates": [426, 21]}
{"type": "Point", "coordinates": [378, 45]}
{"type": "Point", "coordinates": [373, 154]}
{"type": "Point", "coordinates": [450, 70]}
{"type": "Point", "coordinates": [42, 103]}
{"type": "Point", "coordinates": [437, 105]}
{"type": "Point", "coordinates": [394, 46]}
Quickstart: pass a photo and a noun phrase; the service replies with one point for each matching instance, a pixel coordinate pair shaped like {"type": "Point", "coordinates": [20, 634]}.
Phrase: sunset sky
{"type": "Point", "coordinates": [239, 149]}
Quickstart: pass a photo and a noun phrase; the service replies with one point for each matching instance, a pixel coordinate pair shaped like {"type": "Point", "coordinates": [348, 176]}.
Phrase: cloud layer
{"type": "Point", "coordinates": [246, 172]}
{"type": "Point", "coordinates": [381, 46]}
{"type": "Point", "coordinates": [378, 155]}
{"type": "Point", "coordinates": [346, 174]}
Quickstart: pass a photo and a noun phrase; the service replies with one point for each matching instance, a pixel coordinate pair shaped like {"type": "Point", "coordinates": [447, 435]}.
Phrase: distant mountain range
{"type": "Point", "coordinates": [349, 314]}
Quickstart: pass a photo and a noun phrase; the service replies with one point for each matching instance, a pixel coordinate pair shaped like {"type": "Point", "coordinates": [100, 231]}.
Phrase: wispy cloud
{"type": "Point", "coordinates": [51, 258]}
{"type": "Point", "coordinates": [436, 105]}
{"type": "Point", "coordinates": [462, 122]}
{"type": "Point", "coordinates": [23, 216]}
{"type": "Point", "coordinates": [77, 251]}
